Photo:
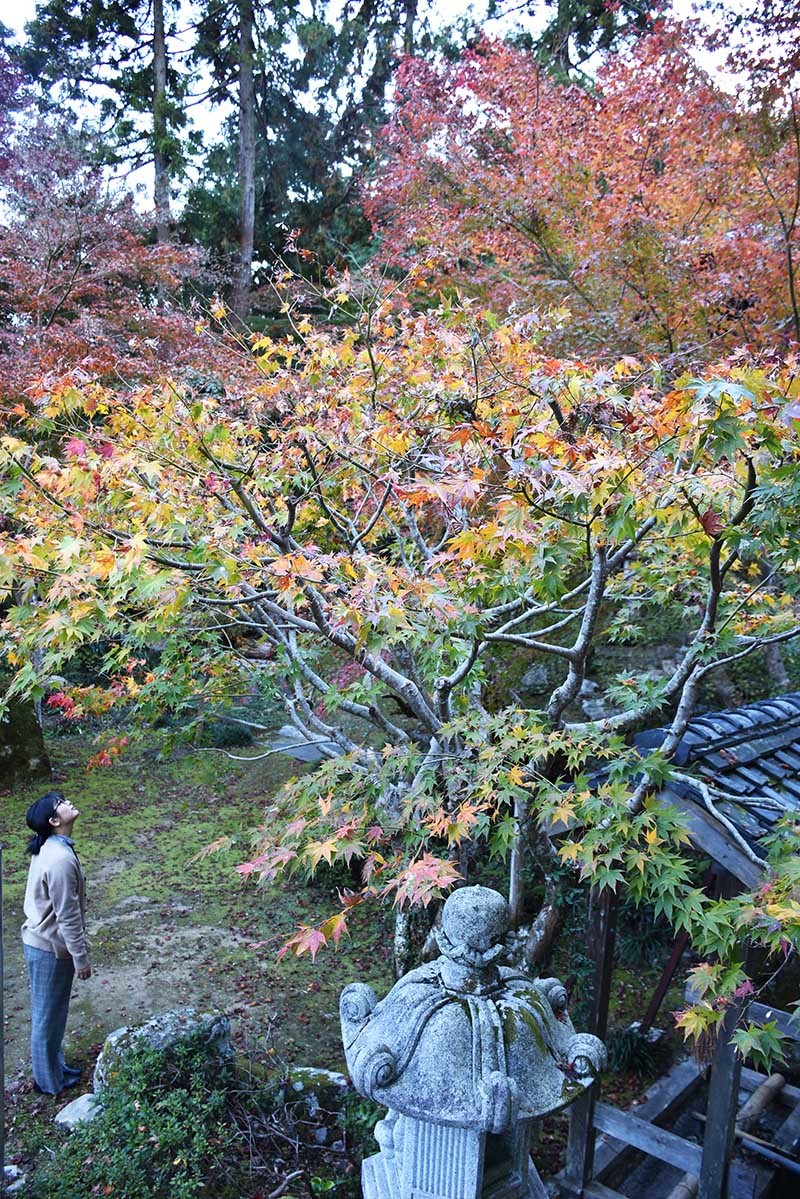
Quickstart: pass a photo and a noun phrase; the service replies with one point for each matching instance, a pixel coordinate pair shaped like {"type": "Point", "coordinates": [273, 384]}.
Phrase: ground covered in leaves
{"type": "Point", "coordinates": [169, 930]}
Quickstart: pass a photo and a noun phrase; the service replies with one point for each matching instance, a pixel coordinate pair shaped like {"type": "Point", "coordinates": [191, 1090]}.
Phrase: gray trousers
{"type": "Point", "coordinates": [51, 984]}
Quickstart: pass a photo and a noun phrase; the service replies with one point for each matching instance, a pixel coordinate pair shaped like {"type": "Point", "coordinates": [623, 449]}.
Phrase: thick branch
{"type": "Point", "coordinates": [563, 696]}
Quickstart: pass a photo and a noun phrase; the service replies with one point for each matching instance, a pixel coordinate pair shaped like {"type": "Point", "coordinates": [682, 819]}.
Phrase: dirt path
{"type": "Point", "coordinates": [167, 932]}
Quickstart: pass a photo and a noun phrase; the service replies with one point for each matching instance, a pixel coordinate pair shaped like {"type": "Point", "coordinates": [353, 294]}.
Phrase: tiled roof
{"type": "Point", "coordinates": [752, 753]}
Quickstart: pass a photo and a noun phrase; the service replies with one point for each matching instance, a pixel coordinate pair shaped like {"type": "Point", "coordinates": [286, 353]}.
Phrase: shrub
{"type": "Point", "coordinates": [161, 1132]}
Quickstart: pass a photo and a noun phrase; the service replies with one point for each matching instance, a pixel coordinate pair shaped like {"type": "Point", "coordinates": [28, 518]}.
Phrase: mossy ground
{"type": "Point", "coordinates": [168, 931]}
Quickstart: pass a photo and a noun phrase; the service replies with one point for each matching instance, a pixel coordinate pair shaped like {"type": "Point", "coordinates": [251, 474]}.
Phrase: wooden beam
{"type": "Point", "coordinates": [788, 1135]}
{"type": "Point", "coordinates": [601, 930]}
{"type": "Point", "coordinates": [580, 1143]}
{"type": "Point", "coordinates": [686, 1188]}
{"type": "Point", "coordinates": [759, 1101]}
{"type": "Point", "coordinates": [596, 1190]}
{"type": "Point", "coordinates": [662, 1099]}
{"type": "Point", "coordinates": [664, 981]}
{"type": "Point", "coordinates": [707, 834]}
{"type": "Point", "coordinates": [723, 1101]}
{"type": "Point", "coordinates": [762, 1147]}
{"type": "Point", "coordinates": [750, 1180]}
{"type": "Point", "coordinates": [750, 1079]}
{"type": "Point", "coordinates": [682, 1154]}
{"type": "Point", "coordinates": [786, 1024]}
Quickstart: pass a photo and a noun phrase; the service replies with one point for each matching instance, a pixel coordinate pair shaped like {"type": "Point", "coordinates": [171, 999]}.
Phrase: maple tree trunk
{"type": "Point", "coordinates": [544, 928]}
{"type": "Point", "coordinates": [160, 157]}
{"type": "Point", "coordinates": [412, 927]}
{"type": "Point", "coordinates": [240, 300]}
{"type": "Point", "coordinates": [561, 39]}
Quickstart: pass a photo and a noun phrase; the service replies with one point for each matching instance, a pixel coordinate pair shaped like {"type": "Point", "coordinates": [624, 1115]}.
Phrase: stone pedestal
{"type": "Point", "coordinates": [422, 1160]}
{"type": "Point", "coordinates": [466, 1054]}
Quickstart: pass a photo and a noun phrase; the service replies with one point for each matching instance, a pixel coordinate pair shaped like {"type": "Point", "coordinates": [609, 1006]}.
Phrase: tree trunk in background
{"type": "Point", "coordinates": [160, 156]}
{"type": "Point", "coordinates": [564, 19]}
{"type": "Point", "coordinates": [240, 300]}
{"type": "Point", "coordinates": [408, 32]}
{"type": "Point", "coordinates": [22, 752]}
{"type": "Point", "coordinates": [516, 883]}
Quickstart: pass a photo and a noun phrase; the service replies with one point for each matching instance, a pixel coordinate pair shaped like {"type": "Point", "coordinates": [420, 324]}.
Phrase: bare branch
{"type": "Point", "coordinates": [699, 785]}
{"type": "Point", "coordinates": [566, 693]}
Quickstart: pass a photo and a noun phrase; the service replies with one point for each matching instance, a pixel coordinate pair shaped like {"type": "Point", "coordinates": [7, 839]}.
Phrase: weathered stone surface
{"type": "Point", "coordinates": [15, 1180]}
{"type": "Point", "coordinates": [466, 1053]}
{"type": "Point", "coordinates": [295, 744]}
{"type": "Point", "coordinates": [309, 1078]}
{"type": "Point", "coordinates": [535, 680]}
{"type": "Point", "coordinates": [84, 1108]}
{"type": "Point", "coordinates": [463, 1040]}
{"type": "Point", "coordinates": [318, 1088]}
{"type": "Point", "coordinates": [161, 1032]}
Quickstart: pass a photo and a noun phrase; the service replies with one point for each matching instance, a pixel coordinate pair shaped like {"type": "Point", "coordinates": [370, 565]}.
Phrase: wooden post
{"type": "Point", "coordinates": [667, 975]}
{"type": "Point", "coordinates": [668, 972]}
{"type": "Point", "coordinates": [723, 1103]}
{"type": "Point", "coordinates": [601, 928]}
{"type": "Point", "coordinates": [516, 882]}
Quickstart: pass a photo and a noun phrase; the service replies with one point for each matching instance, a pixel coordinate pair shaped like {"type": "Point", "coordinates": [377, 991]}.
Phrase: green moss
{"type": "Point", "coordinates": [143, 822]}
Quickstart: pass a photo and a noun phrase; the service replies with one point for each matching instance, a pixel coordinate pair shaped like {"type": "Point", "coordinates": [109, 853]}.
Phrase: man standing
{"type": "Point", "coordinates": [53, 935]}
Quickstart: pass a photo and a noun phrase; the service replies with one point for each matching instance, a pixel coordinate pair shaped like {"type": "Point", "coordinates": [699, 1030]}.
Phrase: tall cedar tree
{"type": "Point", "coordinates": [290, 164]}
{"type": "Point", "coordinates": [119, 53]}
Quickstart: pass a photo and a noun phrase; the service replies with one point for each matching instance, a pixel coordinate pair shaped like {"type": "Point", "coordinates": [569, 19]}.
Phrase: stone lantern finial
{"type": "Point", "coordinates": [466, 1054]}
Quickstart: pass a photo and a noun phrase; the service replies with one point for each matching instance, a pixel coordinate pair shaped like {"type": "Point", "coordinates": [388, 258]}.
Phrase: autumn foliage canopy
{"type": "Point", "coordinates": [656, 209]}
{"type": "Point", "coordinates": [579, 407]}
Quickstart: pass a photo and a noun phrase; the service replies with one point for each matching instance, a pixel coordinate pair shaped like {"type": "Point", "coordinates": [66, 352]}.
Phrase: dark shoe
{"type": "Point", "coordinates": [72, 1071]}
{"type": "Point", "coordinates": [71, 1080]}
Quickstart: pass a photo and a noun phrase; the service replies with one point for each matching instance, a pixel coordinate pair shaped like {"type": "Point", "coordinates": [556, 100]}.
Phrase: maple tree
{"type": "Point", "coordinates": [85, 295]}
{"type": "Point", "coordinates": [394, 503]}
{"type": "Point", "coordinates": [655, 211]}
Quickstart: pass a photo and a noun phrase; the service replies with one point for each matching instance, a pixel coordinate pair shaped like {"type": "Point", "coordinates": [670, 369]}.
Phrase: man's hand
{"type": "Point", "coordinates": [85, 973]}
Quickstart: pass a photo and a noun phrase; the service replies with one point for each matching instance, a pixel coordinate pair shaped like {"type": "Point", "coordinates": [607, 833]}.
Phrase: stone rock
{"type": "Point", "coordinates": [308, 1078]}
{"type": "Point", "coordinates": [163, 1031]}
{"type": "Point", "coordinates": [535, 680]}
{"type": "Point", "coordinates": [15, 1180]}
{"type": "Point", "coordinates": [595, 709]}
{"type": "Point", "coordinates": [84, 1108]}
{"type": "Point", "coordinates": [133, 901]}
{"type": "Point", "coordinates": [318, 1088]}
{"type": "Point", "coordinates": [588, 687]}
{"type": "Point", "coordinates": [295, 744]}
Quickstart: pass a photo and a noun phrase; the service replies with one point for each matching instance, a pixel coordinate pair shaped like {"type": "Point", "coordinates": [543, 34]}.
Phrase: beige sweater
{"type": "Point", "coordinates": [55, 903]}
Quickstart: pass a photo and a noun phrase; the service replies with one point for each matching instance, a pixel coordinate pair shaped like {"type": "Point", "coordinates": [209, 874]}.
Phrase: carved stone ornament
{"type": "Point", "coordinates": [466, 1054]}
